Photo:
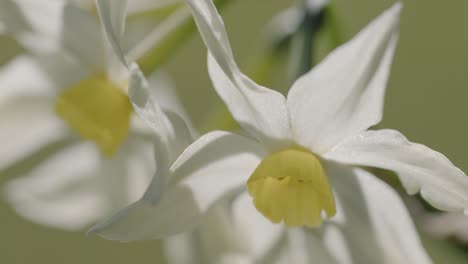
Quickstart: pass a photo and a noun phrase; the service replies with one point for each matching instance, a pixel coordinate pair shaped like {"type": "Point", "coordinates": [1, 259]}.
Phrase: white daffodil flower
{"type": "Point", "coordinates": [302, 160]}
{"type": "Point", "coordinates": [77, 88]}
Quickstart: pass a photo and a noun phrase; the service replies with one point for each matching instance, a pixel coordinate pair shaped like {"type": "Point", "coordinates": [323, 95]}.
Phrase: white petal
{"type": "Point", "coordinates": [19, 16]}
{"type": "Point", "coordinates": [170, 130]}
{"type": "Point", "coordinates": [61, 70]}
{"type": "Point", "coordinates": [372, 224]}
{"type": "Point", "coordinates": [14, 84]}
{"type": "Point", "coordinates": [27, 124]}
{"type": "Point", "coordinates": [146, 106]}
{"type": "Point", "coordinates": [47, 74]}
{"type": "Point", "coordinates": [74, 188]}
{"type": "Point", "coordinates": [171, 133]}
{"type": "Point", "coordinates": [130, 171]}
{"type": "Point", "coordinates": [419, 168]}
{"type": "Point", "coordinates": [213, 166]}
{"type": "Point", "coordinates": [58, 194]}
{"type": "Point", "coordinates": [305, 246]}
{"type": "Point", "coordinates": [218, 239]}
{"type": "Point", "coordinates": [343, 95]}
{"type": "Point", "coordinates": [260, 111]}
{"type": "Point", "coordinates": [81, 37]}
{"type": "Point", "coordinates": [113, 14]}
{"type": "Point", "coordinates": [259, 233]}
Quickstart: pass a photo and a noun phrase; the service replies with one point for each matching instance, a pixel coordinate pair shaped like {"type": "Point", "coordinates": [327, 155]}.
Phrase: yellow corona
{"type": "Point", "coordinates": [291, 185]}
{"type": "Point", "coordinates": [98, 110]}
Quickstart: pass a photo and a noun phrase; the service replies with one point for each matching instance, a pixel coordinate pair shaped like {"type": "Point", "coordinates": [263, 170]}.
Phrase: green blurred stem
{"type": "Point", "coordinates": [168, 44]}
{"type": "Point", "coordinates": [304, 41]}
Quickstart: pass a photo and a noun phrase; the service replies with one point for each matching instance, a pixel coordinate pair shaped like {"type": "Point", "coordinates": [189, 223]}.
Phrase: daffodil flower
{"type": "Point", "coordinates": [69, 127]}
{"type": "Point", "coordinates": [218, 239]}
{"type": "Point", "coordinates": [302, 159]}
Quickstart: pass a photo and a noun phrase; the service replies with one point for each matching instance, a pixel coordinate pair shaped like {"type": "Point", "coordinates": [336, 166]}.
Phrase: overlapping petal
{"type": "Point", "coordinates": [207, 170]}
{"type": "Point", "coordinates": [260, 111]}
{"type": "Point", "coordinates": [419, 168]}
{"type": "Point", "coordinates": [71, 190]}
{"type": "Point", "coordinates": [343, 95]}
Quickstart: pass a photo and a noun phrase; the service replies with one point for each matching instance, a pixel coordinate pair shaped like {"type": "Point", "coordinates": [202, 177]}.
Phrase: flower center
{"type": "Point", "coordinates": [291, 185]}
{"type": "Point", "coordinates": [98, 110]}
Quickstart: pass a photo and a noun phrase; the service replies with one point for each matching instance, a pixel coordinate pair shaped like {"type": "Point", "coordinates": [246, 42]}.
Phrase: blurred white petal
{"type": "Point", "coordinates": [14, 84]}
{"type": "Point", "coordinates": [27, 124]}
{"type": "Point", "coordinates": [58, 194]}
{"type": "Point", "coordinates": [74, 188]}
{"type": "Point", "coordinates": [81, 37]}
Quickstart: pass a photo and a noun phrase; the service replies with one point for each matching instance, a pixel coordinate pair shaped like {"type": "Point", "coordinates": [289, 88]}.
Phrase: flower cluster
{"type": "Point", "coordinates": [98, 137]}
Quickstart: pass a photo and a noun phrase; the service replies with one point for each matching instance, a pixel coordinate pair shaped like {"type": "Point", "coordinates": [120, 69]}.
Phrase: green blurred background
{"type": "Point", "coordinates": [426, 100]}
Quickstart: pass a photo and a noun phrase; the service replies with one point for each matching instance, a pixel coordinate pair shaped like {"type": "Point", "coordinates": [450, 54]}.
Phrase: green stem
{"type": "Point", "coordinates": [311, 24]}
{"type": "Point", "coordinates": [164, 49]}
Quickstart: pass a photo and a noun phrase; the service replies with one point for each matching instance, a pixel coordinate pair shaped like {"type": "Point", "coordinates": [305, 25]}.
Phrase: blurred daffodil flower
{"type": "Point", "coordinates": [69, 127]}
{"type": "Point", "coordinates": [304, 156]}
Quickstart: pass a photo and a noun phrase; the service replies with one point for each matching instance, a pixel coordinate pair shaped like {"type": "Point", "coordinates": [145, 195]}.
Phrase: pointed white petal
{"type": "Point", "coordinates": [260, 111]}
{"type": "Point", "coordinates": [343, 95]}
{"type": "Point", "coordinates": [419, 168]}
{"type": "Point", "coordinates": [372, 224]}
{"type": "Point", "coordinates": [213, 166]}
{"type": "Point", "coordinates": [113, 14]}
